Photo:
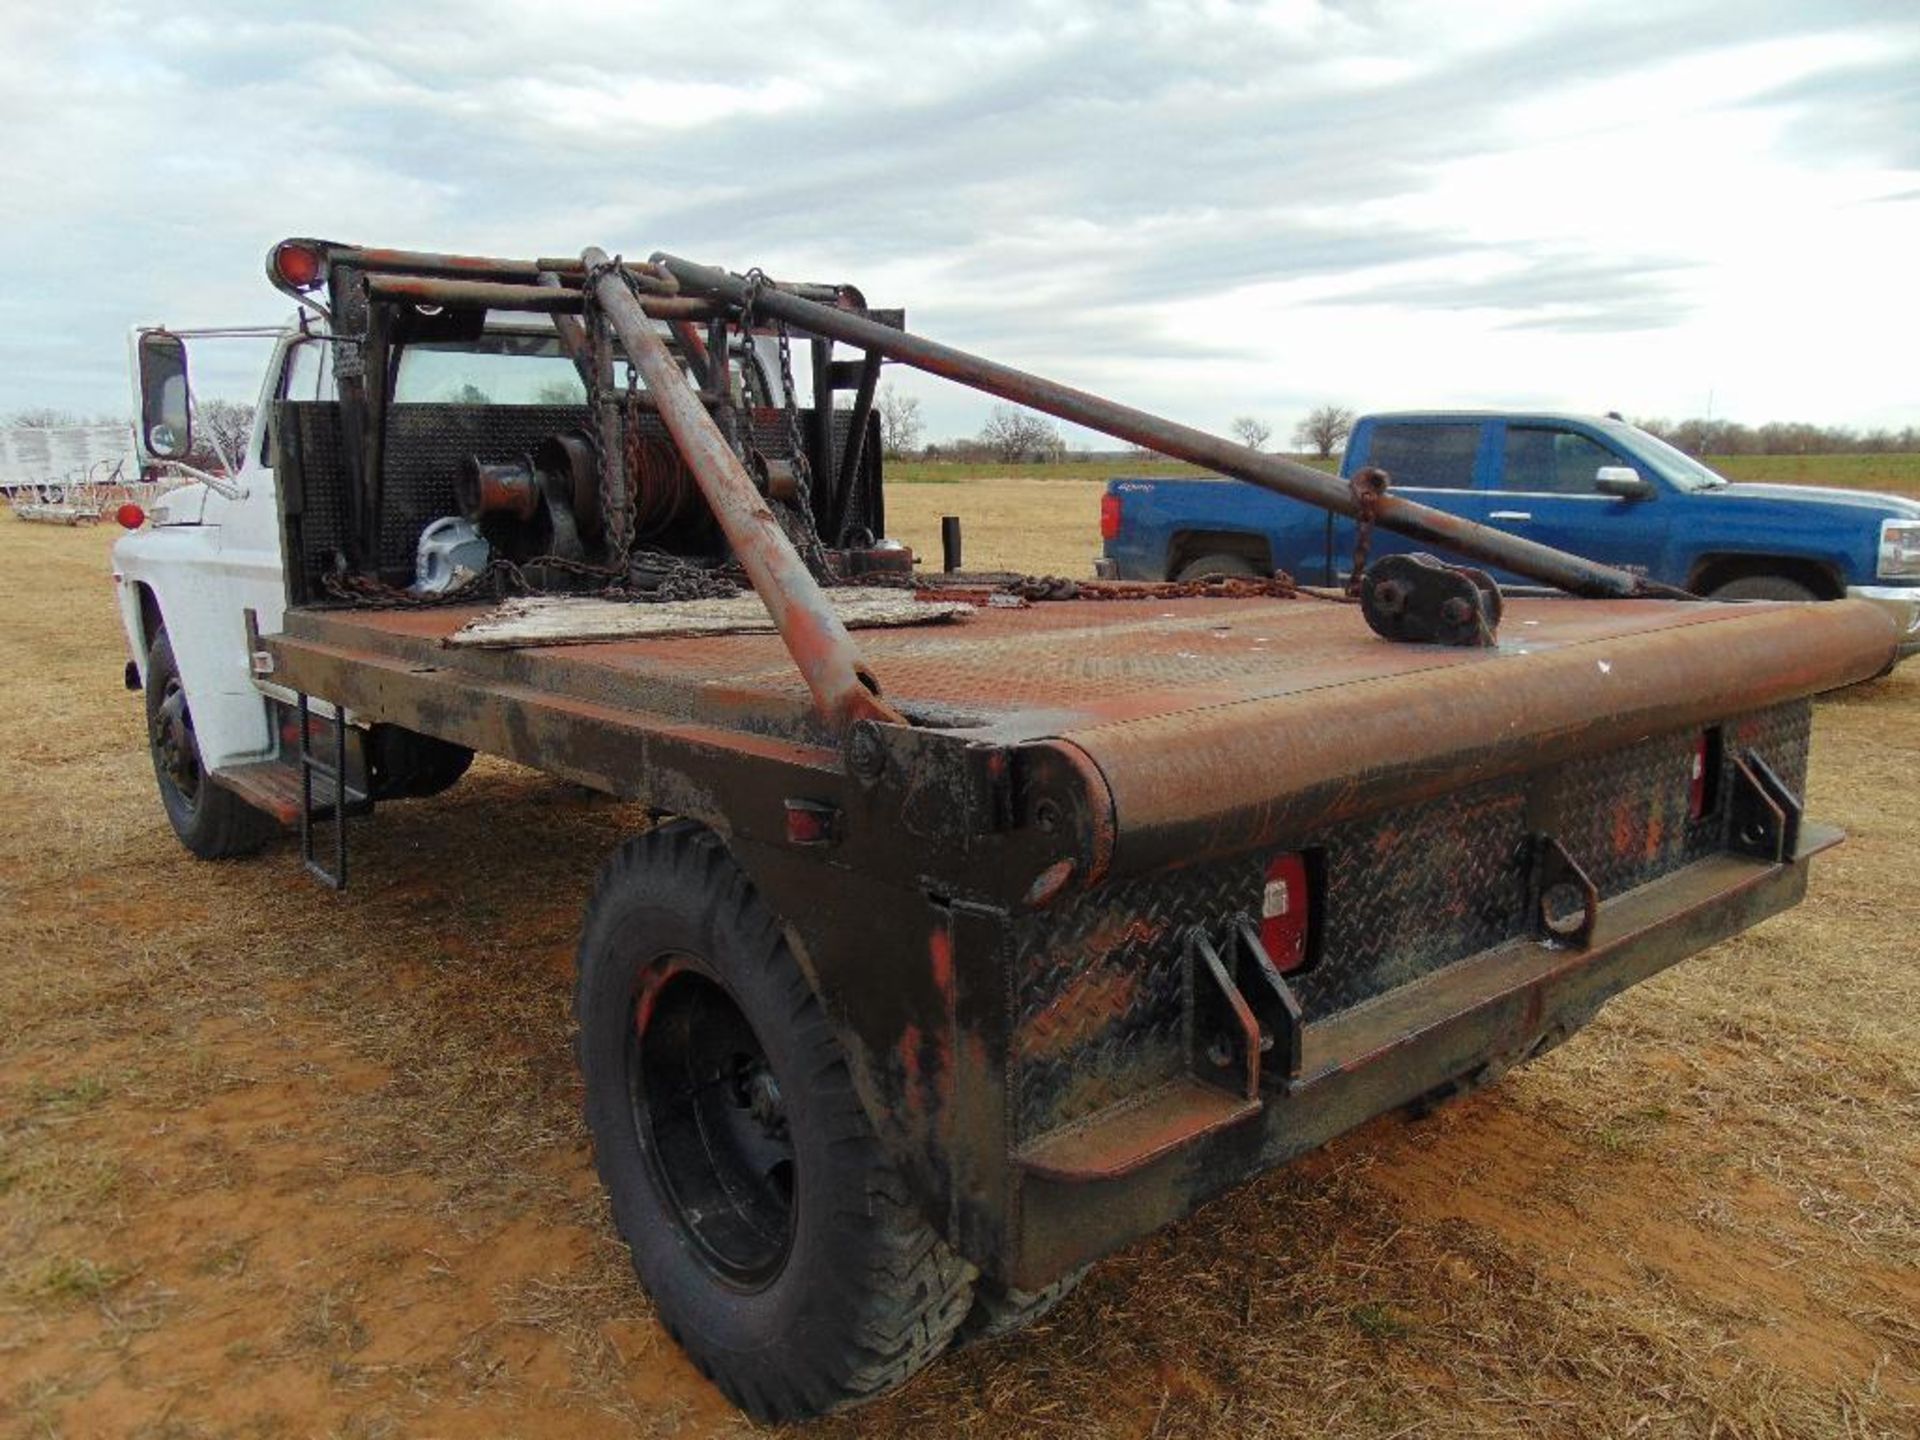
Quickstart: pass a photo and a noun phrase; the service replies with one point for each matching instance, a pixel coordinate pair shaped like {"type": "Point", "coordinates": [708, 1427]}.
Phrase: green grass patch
{"type": "Point", "coordinates": [74, 1277]}
{"type": "Point", "coordinates": [1379, 1320]}
{"type": "Point", "coordinates": [1896, 474]}
{"type": "Point", "coordinates": [78, 1094]}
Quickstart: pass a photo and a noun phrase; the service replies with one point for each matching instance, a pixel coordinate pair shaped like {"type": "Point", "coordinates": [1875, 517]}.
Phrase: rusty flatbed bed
{"type": "Point", "coordinates": [1199, 713]}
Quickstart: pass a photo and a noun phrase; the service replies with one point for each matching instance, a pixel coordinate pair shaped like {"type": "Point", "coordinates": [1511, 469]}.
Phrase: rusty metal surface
{"type": "Point", "coordinates": [532, 297]}
{"type": "Point", "coordinates": [1098, 979]}
{"type": "Point", "coordinates": [1375, 1058]}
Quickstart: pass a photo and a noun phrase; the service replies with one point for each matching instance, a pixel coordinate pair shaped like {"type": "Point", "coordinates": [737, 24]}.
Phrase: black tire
{"type": "Point", "coordinates": [211, 821]}
{"type": "Point", "coordinates": [999, 1310]}
{"type": "Point", "coordinates": [1223, 565]}
{"type": "Point", "coordinates": [410, 766]}
{"type": "Point", "coordinates": [1762, 587]}
{"type": "Point", "coordinates": [793, 1309]}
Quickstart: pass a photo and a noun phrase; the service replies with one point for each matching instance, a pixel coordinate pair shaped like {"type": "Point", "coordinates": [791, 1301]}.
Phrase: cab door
{"type": "Point", "coordinates": [1441, 461]}
{"type": "Point", "coordinates": [1547, 489]}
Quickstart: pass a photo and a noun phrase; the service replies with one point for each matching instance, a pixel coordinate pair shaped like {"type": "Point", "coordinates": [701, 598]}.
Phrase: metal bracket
{"type": "Point", "coordinates": [1229, 1031]}
{"type": "Point", "coordinates": [1564, 901]}
{"type": "Point", "coordinates": [1764, 815]}
{"type": "Point", "coordinates": [1223, 1038]}
{"type": "Point", "coordinates": [1283, 1032]}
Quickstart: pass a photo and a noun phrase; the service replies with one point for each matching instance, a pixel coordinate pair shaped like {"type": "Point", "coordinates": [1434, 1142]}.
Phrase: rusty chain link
{"type": "Point", "coordinates": [1366, 487]}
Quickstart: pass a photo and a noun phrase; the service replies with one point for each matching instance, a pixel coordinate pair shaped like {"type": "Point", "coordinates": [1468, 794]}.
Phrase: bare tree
{"type": "Point", "coordinates": [900, 423]}
{"type": "Point", "coordinates": [225, 428]}
{"type": "Point", "coordinates": [1325, 427]}
{"type": "Point", "coordinates": [1013, 435]}
{"type": "Point", "coordinates": [42, 417]}
{"type": "Point", "coordinates": [1251, 432]}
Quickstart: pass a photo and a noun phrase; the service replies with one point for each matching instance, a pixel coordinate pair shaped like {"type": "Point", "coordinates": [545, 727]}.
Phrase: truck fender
{"type": "Point", "coordinates": [210, 646]}
{"type": "Point", "coordinates": [1709, 572]}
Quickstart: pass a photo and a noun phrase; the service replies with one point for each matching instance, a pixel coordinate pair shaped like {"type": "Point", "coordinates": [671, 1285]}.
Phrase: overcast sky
{"type": "Point", "coordinates": [1209, 210]}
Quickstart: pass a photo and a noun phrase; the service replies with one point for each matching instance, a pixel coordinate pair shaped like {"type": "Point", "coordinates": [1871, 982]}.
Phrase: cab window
{"type": "Point", "coordinates": [1426, 457]}
{"type": "Point", "coordinates": [1543, 460]}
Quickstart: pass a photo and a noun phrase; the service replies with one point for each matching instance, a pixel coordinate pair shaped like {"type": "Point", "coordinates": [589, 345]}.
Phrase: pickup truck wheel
{"type": "Point", "coordinates": [212, 822]}
{"type": "Point", "coordinates": [1762, 587]}
{"type": "Point", "coordinates": [1208, 565]}
{"type": "Point", "coordinates": [1000, 1310]}
{"type": "Point", "coordinates": [779, 1245]}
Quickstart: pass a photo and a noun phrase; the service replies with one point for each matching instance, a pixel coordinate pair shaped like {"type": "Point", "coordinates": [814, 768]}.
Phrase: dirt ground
{"type": "Point", "coordinates": [279, 1162]}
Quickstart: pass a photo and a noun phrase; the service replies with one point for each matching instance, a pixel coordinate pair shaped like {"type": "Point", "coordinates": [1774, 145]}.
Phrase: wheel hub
{"type": "Point", "coordinates": [711, 1119]}
{"type": "Point", "coordinates": [174, 744]}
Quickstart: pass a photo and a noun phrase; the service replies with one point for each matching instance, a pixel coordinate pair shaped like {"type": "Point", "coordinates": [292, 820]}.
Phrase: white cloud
{"type": "Point", "coordinates": [1211, 208]}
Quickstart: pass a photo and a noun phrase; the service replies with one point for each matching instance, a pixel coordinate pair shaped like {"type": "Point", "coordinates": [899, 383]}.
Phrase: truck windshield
{"type": "Point", "coordinates": [499, 368]}
{"type": "Point", "coordinates": [1680, 468]}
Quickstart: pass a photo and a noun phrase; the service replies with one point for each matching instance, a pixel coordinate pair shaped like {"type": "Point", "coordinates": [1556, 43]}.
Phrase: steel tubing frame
{"type": "Point", "coordinates": [1168, 437]}
{"type": "Point", "coordinates": [844, 690]}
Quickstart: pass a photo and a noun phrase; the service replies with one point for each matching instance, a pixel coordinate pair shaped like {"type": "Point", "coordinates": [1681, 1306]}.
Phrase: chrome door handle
{"type": "Point", "coordinates": [1510, 515]}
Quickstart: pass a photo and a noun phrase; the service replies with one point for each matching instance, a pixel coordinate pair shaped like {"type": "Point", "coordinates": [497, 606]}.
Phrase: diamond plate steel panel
{"type": "Point", "coordinates": [1099, 986]}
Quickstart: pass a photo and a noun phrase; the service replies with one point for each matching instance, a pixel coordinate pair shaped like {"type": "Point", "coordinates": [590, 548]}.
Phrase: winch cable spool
{"type": "Point", "coordinates": [844, 690]}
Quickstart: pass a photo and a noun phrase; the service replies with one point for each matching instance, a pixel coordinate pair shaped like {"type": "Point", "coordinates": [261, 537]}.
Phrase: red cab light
{"type": "Point", "coordinates": [130, 516]}
{"type": "Point", "coordinates": [297, 265]}
{"type": "Point", "coordinates": [1286, 912]}
{"type": "Point", "coordinates": [1109, 517]}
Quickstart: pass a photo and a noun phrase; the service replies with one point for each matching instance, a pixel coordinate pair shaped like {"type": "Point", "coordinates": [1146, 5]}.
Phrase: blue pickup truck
{"type": "Point", "coordinates": [1598, 487]}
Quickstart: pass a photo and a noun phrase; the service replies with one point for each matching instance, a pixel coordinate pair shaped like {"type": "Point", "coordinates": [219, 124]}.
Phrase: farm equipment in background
{"type": "Point", "coordinates": [965, 952]}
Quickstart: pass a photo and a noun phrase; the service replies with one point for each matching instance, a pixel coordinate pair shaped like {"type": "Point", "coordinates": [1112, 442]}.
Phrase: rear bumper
{"type": "Point", "coordinates": [1901, 603]}
{"type": "Point", "coordinates": [1090, 1189]}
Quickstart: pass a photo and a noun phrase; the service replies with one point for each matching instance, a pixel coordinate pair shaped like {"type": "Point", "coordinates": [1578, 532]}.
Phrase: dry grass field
{"type": "Point", "coordinates": [279, 1162]}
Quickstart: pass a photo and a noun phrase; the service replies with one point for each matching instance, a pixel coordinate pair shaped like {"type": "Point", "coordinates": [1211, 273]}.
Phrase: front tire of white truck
{"type": "Point", "coordinates": [211, 821]}
{"type": "Point", "coordinates": [778, 1243]}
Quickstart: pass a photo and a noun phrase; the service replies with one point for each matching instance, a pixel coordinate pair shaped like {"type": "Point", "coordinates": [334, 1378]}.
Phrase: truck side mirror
{"type": "Point", "coordinates": [166, 413]}
{"type": "Point", "coordinates": [1622, 481]}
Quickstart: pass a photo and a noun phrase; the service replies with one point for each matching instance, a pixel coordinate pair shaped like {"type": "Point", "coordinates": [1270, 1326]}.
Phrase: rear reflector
{"type": "Point", "coordinates": [130, 516]}
{"type": "Point", "coordinates": [1286, 908]}
{"type": "Point", "coordinates": [1109, 517]}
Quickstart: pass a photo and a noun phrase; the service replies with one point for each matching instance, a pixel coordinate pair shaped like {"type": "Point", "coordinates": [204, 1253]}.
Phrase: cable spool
{"type": "Point", "coordinates": [665, 492]}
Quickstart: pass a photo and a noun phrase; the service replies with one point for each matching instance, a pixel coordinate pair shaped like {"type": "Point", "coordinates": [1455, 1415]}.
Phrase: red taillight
{"type": "Point", "coordinates": [1700, 780]}
{"type": "Point", "coordinates": [1286, 911]}
{"type": "Point", "coordinates": [1109, 517]}
{"type": "Point", "coordinates": [297, 265]}
{"type": "Point", "coordinates": [130, 516]}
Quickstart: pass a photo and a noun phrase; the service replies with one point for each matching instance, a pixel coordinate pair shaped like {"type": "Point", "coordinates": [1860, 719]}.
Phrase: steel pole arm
{"type": "Point", "coordinates": [844, 690]}
{"type": "Point", "coordinates": [1183, 442]}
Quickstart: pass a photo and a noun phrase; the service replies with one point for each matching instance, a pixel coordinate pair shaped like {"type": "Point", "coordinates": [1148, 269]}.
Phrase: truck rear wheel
{"type": "Point", "coordinates": [1216, 565]}
{"type": "Point", "coordinates": [211, 821]}
{"type": "Point", "coordinates": [1763, 587]}
{"type": "Point", "coordinates": [780, 1247]}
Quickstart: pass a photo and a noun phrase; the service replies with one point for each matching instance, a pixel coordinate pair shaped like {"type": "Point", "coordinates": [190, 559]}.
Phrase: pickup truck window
{"type": "Point", "coordinates": [1426, 457]}
{"type": "Point", "coordinates": [1678, 466]}
{"type": "Point", "coordinates": [1544, 461]}
{"type": "Point", "coordinates": [493, 370]}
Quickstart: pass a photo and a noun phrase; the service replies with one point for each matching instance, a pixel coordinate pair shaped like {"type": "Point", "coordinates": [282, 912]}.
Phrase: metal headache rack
{"type": "Point", "coordinates": [788, 499]}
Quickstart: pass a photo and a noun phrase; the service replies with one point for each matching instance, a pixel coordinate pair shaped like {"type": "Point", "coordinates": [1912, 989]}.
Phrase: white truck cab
{"type": "Point", "coordinates": [208, 555]}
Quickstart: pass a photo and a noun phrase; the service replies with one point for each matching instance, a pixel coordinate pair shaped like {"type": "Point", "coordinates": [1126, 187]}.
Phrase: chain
{"type": "Point", "coordinates": [1367, 487]}
{"type": "Point", "coordinates": [805, 531]}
